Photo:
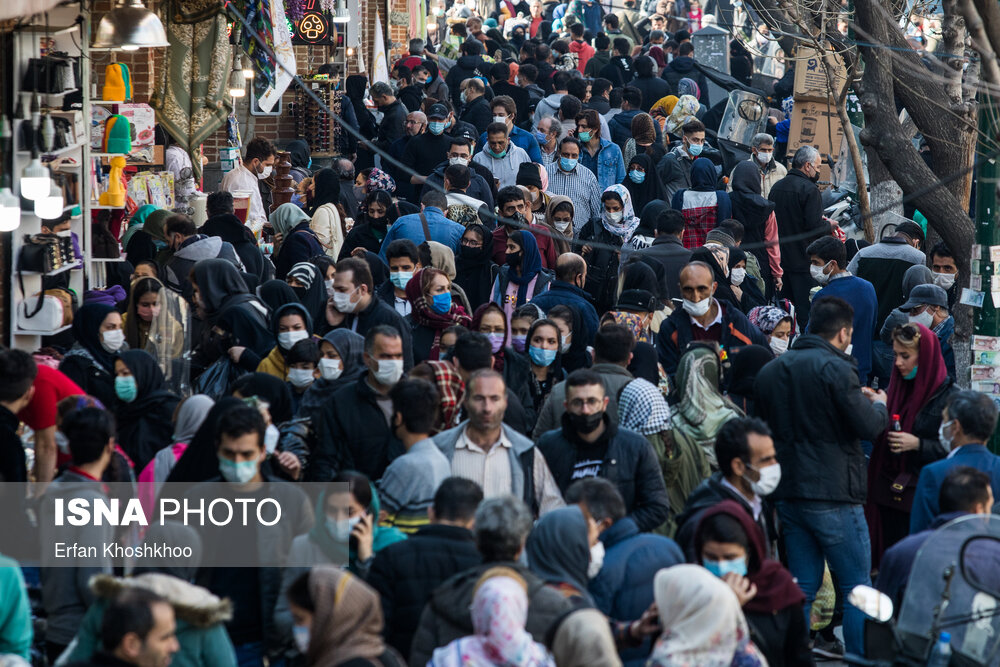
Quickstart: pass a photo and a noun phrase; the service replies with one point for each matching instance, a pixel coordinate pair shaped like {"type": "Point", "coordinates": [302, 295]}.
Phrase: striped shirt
{"type": "Point", "coordinates": [581, 186]}
{"type": "Point", "coordinates": [408, 485]}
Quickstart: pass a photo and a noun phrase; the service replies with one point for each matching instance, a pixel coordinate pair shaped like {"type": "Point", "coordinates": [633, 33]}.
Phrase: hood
{"type": "Point", "coordinates": [442, 258]}
{"type": "Point", "coordinates": [918, 274]}
{"type": "Point", "coordinates": [207, 247]}
{"type": "Point", "coordinates": [554, 99]}
{"type": "Point", "coordinates": [703, 178]}
{"type": "Point", "coordinates": [682, 64]}
{"type": "Point", "coordinates": [192, 604]}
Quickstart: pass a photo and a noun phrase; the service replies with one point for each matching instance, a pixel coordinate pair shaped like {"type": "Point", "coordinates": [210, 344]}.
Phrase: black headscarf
{"type": "Point", "coordinates": [220, 285]}
{"type": "Point", "coordinates": [230, 305]}
{"type": "Point", "coordinates": [146, 424]}
{"type": "Point", "coordinates": [349, 346]}
{"type": "Point", "coordinates": [749, 206]}
{"type": "Point", "coordinates": [313, 296]}
{"type": "Point", "coordinates": [558, 549]}
{"type": "Point", "coordinates": [576, 357]}
{"type": "Point", "coordinates": [474, 268]}
{"type": "Point", "coordinates": [651, 188]}
{"type": "Point", "coordinates": [327, 185]}
{"type": "Point", "coordinates": [276, 293]}
{"type": "Point", "coordinates": [380, 272]}
{"type": "Point", "coordinates": [299, 152]}
{"type": "Point", "coordinates": [640, 275]}
{"type": "Point", "coordinates": [268, 388]}
{"type": "Point", "coordinates": [200, 462]}
{"type": "Point", "coordinates": [354, 88]}
{"type": "Point", "coordinates": [86, 330]}
{"type": "Point", "coordinates": [723, 291]}
{"type": "Point", "coordinates": [644, 363]}
{"type": "Point", "coordinates": [294, 308]}
{"type": "Point", "coordinates": [745, 363]}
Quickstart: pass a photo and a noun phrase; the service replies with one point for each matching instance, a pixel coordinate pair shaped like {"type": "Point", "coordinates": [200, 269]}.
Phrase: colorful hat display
{"type": "Point", "coordinates": [117, 135]}
{"type": "Point", "coordinates": [117, 83]}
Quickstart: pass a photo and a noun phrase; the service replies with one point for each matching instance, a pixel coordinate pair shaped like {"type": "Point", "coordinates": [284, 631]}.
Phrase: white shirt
{"type": "Point", "coordinates": [458, 198]}
{"type": "Point", "coordinates": [756, 505]}
{"type": "Point", "coordinates": [242, 178]}
{"type": "Point", "coordinates": [717, 320]}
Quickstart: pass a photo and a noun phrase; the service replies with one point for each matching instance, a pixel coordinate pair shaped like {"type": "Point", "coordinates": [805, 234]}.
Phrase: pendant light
{"type": "Point", "coordinates": [35, 180]}
{"type": "Point", "coordinates": [10, 204]}
{"type": "Point", "coordinates": [50, 207]}
{"type": "Point", "coordinates": [130, 26]}
{"type": "Point", "coordinates": [343, 14]}
{"type": "Point", "coordinates": [247, 65]}
{"type": "Point", "coordinates": [237, 80]}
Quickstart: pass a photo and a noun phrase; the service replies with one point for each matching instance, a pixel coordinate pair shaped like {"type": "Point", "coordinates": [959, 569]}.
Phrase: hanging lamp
{"type": "Point", "coordinates": [130, 26]}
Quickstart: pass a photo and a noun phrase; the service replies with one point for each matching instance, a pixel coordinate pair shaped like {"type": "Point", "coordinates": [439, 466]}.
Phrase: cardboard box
{"type": "Point", "coordinates": [810, 77]}
{"type": "Point", "coordinates": [815, 124]}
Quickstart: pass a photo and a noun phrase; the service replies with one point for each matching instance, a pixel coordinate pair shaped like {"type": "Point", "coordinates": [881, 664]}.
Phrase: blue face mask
{"type": "Point", "coordinates": [541, 357]}
{"type": "Point", "coordinates": [721, 568]}
{"type": "Point", "coordinates": [436, 126]}
{"type": "Point", "coordinates": [237, 473]}
{"type": "Point", "coordinates": [695, 149]}
{"type": "Point", "coordinates": [400, 278]}
{"type": "Point", "coordinates": [441, 302]}
{"type": "Point", "coordinates": [637, 176]}
{"type": "Point", "coordinates": [583, 136]}
{"type": "Point", "coordinates": [126, 389]}
{"type": "Point", "coordinates": [541, 137]}
{"type": "Point", "coordinates": [911, 375]}
{"type": "Point", "coordinates": [567, 164]}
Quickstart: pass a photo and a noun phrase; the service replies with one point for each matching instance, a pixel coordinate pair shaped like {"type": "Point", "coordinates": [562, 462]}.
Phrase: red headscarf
{"type": "Point", "coordinates": [451, 390]}
{"type": "Point", "coordinates": [908, 397]}
{"type": "Point", "coordinates": [776, 589]}
{"type": "Point", "coordinates": [423, 314]}
{"type": "Point", "coordinates": [477, 319]}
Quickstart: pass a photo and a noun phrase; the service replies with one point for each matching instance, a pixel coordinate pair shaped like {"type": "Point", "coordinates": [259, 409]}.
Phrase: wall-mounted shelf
{"type": "Point", "coordinates": [106, 260]}
{"type": "Point", "coordinates": [95, 207]}
{"type": "Point", "coordinates": [29, 332]}
{"type": "Point", "coordinates": [49, 30]}
{"type": "Point", "coordinates": [109, 155]}
{"type": "Point", "coordinates": [69, 267]}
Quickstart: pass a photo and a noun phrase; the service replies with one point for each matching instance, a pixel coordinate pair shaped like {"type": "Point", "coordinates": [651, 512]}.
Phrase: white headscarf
{"type": "Point", "coordinates": [625, 227]}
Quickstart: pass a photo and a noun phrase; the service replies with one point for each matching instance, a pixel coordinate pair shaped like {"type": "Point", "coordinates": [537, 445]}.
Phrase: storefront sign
{"type": "Point", "coordinates": [315, 26]}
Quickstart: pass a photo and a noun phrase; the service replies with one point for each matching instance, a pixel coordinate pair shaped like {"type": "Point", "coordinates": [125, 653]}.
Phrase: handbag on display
{"type": "Point", "coordinates": [47, 75]}
{"type": "Point", "coordinates": [45, 311]}
{"type": "Point", "coordinates": [44, 253]}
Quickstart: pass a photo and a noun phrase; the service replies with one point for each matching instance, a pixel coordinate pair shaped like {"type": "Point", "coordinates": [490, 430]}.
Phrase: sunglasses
{"type": "Point", "coordinates": [908, 333]}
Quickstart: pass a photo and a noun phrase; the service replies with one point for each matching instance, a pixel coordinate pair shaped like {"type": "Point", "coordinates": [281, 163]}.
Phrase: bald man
{"type": "Point", "coordinates": [704, 318]}
{"type": "Point", "coordinates": [567, 289]}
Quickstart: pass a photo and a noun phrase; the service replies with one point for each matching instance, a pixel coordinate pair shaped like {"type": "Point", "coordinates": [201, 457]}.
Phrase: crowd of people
{"type": "Point", "coordinates": [597, 399]}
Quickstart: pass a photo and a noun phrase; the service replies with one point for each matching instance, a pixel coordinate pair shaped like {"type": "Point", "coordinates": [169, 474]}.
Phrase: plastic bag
{"type": "Point", "coordinates": [217, 379]}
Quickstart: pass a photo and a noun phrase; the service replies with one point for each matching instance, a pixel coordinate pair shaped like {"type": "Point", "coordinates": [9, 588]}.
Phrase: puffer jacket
{"type": "Point", "coordinates": [811, 398]}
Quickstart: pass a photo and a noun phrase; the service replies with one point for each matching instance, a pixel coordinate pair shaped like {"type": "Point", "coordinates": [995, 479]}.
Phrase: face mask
{"type": "Point", "coordinates": [496, 341]}
{"type": "Point", "coordinates": [614, 217]}
{"type": "Point", "coordinates": [389, 371]}
{"type": "Point", "coordinates": [300, 377]}
{"type": "Point", "coordinates": [271, 437]}
{"type": "Point", "coordinates": [566, 344]}
{"type": "Point", "coordinates": [946, 441]}
{"type": "Point", "coordinates": [459, 160]}
{"type": "Point", "coordinates": [66, 233]}
{"type": "Point", "coordinates": [583, 136]}
{"type": "Point", "coordinates": [770, 477]}
{"type": "Point", "coordinates": [566, 164]}
{"type": "Point", "coordinates": [518, 341]}
{"type": "Point", "coordinates": [697, 308]}
{"type": "Point", "coordinates": [237, 473]}
{"type": "Point", "coordinates": [359, 192]}
{"type": "Point", "coordinates": [342, 301]}
{"type": "Point", "coordinates": [441, 303]}
{"type": "Point", "coordinates": [736, 276]}
{"type": "Point", "coordinates": [637, 176]}
{"type": "Point", "coordinates": [563, 225]}
{"type": "Point", "coordinates": [817, 274]}
{"type": "Point", "coordinates": [126, 389]}
{"type": "Point", "coordinates": [341, 530]}
{"type": "Point", "coordinates": [329, 287]}
{"type": "Point", "coordinates": [815, 177]}
{"type": "Point", "coordinates": [301, 636]}
{"type": "Point", "coordinates": [264, 173]}
{"type": "Point", "coordinates": [309, 165]}
{"type": "Point", "coordinates": [695, 149]}
{"type": "Point", "coordinates": [596, 560]}
{"type": "Point", "coordinates": [584, 424]}
{"type": "Point", "coordinates": [436, 126]}
{"type": "Point", "coordinates": [925, 318]}
{"type": "Point", "coordinates": [912, 374]}
{"type": "Point", "coordinates": [330, 369]}
{"type": "Point", "coordinates": [286, 339]}
{"type": "Point", "coordinates": [540, 357]}
{"type": "Point", "coordinates": [513, 259]}
{"type": "Point", "coordinates": [497, 155]}
{"type": "Point", "coordinates": [113, 340]}
{"type": "Point", "coordinates": [541, 138]}
{"type": "Point", "coordinates": [721, 568]}
{"type": "Point", "coordinates": [944, 280]}
{"type": "Point", "coordinates": [779, 346]}
{"type": "Point", "coordinates": [849, 349]}
{"type": "Point", "coordinates": [400, 278]}
{"type": "Point", "coordinates": [463, 97]}
{"type": "Point", "coordinates": [764, 158]}
{"type": "Point", "coordinates": [500, 119]}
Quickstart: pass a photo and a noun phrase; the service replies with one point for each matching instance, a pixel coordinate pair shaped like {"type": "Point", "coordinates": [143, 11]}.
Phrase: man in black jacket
{"type": "Point", "coordinates": [798, 209]}
{"type": "Point", "coordinates": [683, 67]}
{"type": "Point", "coordinates": [669, 250]}
{"type": "Point", "coordinates": [393, 122]}
{"type": "Point", "coordinates": [405, 574]}
{"type": "Point", "coordinates": [653, 88]}
{"type": "Point", "coordinates": [475, 110]}
{"type": "Point", "coordinates": [224, 224]}
{"type": "Point", "coordinates": [812, 400]}
{"type": "Point", "coordinates": [589, 444]}
{"type": "Point", "coordinates": [468, 65]}
{"type": "Point", "coordinates": [499, 75]}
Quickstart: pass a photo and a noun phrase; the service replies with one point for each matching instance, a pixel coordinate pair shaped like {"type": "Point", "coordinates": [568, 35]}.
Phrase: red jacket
{"type": "Point", "coordinates": [583, 51]}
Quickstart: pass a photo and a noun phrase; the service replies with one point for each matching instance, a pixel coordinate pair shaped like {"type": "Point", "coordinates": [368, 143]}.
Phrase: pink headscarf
{"type": "Point", "coordinates": [545, 177]}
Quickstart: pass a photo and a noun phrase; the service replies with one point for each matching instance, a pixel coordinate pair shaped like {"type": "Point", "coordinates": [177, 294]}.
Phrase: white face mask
{"type": "Point", "coordinates": [614, 217]}
{"type": "Point", "coordinates": [330, 369]}
{"type": "Point", "coordinates": [770, 477]}
{"type": "Point", "coordinates": [697, 308]}
{"type": "Point", "coordinates": [459, 160]}
{"type": "Point", "coordinates": [286, 339]}
{"type": "Point", "coordinates": [300, 377]}
{"type": "Point", "coordinates": [113, 340]}
{"type": "Point", "coordinates": [926, 318]}
{"type": "Point", "coordinates": [779, 346]}
{"type": "Point", "coordinates": [566, 344]}
{"type": "Point", "coordinates": [342, 301]}
{"type": "Point", "coordinates": [944, 280]}
{"type": "Point", "coordinates": [271, 437]}
{"type": "Point", "coordinates": [329, 287]}
{"type": "Point", "coordinates": [946, 441]}
{"type": "Point", "coordinates": [264, 173]}
{"type": "Point", "coordinates": [849, 349]}
{"type": "Point", "coordinates": [500, 119]}
{"type": "Point", "coordinates": [764, 158]}
{"type": "Point", "coordinates": [817, 274]}
{"type": "Point", "coordinates": [596, 560]}
{"type": "Point", "coordinates": [563, 225]}
{"type": "Point", "coordinates": [341, 530]}
{"type": "Point", "coordinates": [736, 276]}
{"type": "Point", "coordinates": [389, 371]}
{"type": "Point", "coordinates": [301, 635]}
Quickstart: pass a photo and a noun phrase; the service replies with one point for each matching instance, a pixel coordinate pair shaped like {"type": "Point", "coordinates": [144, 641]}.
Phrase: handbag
{"type": "Point", "coordinates": [44, 253]}
{"type": "Point", "coordinates": [40, 312]}
{"type": "Point", "coordinates": [46, 75]}
{"type": "Point", "coordinates": [897, 492]}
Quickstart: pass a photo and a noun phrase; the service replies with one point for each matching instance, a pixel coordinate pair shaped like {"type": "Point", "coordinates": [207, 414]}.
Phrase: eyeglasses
{"type": "Point", "coordinates": [578, 403]}
{"type": "Point", "coordinates": [472, 243]}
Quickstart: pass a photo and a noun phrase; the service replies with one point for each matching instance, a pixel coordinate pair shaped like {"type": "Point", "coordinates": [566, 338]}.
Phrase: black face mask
{"type": "Point", "coordinates": [379, 222]}
{"type": "Point", "coordinates": [815, 177]}
{"type": "Point", "coordinates": [584, 424]}
{"type": "Point", "coordinates": [466, 252]}
{"type": "Point", "coordinates": [514, 259]}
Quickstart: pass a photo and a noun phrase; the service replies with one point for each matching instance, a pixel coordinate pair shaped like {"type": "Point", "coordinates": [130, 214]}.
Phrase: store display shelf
{"type": "Point", "coordinates": [50, 30]}
{"type": "Point", "coordinates": [62, 94]}
{"type": "Point", "coordinates": [29, 332]}
{"type": "Point", "coordinates": [67, 149]}
{"type": "Point", "coordinates": [70, 267]}
{"type": "Point", "coordinates": [107, 260]}
{"type": "Point", "coordinates": [95, 207]}
{"type": "Point", "coordinates": [102, 102]}
{"type": "Point", "coordinates": [109, 155]}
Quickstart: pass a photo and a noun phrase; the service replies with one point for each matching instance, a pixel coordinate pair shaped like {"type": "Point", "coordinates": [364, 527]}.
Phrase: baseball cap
{"type": "Point", "coordinates": [438, 111]}
{"type": "Point", "coordinates": [926, 295]}
{"type": "Point", "coordinates": [638, 300]}
{"type": "Point", "coordinates": [911, 229]}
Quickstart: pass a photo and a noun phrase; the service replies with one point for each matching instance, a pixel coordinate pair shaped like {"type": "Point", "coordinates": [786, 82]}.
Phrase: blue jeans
{"type": "Point", "coordinates": [815, 531]}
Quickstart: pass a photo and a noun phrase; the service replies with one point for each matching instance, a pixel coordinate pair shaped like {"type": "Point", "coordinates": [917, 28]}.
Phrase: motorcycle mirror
{"type": "Point", "coordinates": [872, 603]}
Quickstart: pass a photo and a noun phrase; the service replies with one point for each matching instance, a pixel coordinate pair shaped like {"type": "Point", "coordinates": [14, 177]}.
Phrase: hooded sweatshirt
{"type": "Point", "coordinates": [549, 106]}
{"type": "Point", "coordinates": [192, 250]}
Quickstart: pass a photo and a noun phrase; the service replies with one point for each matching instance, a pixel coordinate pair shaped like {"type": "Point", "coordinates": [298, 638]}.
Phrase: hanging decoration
{"type": "Point", "coordinates": [259, 17]}
{"type": "Point", "coordinates": [281, 44]}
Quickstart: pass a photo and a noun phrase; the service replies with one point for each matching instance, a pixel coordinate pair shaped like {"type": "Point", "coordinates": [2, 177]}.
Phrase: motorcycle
{"type": "Point", "coordinates": [841, 208]}
{"type": "Point", "coordinates": [954, 587]}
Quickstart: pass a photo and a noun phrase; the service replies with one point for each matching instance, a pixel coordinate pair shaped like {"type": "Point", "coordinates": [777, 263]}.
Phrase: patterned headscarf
{"type": "Point", "coordinates": [686, 109]}
{"type": "Point", "coordinates": [451, 390]}
{"type": "Point", "coordinates": [642, 408]}
{"type": "Point", "coordinates": [424, 315]}
{"type": "Point", "coordinates": [766, 318]}
{"type": "Point", "coordinates": [634, 323]}
{"type": "Point", "coordinates": [702, 409]}
{"type": "Point", "coordinates": [688, 87]}
{"type": "Point", "coordinates": [629, 222]}
{"type": "Point", "coordinates": [379, 180]}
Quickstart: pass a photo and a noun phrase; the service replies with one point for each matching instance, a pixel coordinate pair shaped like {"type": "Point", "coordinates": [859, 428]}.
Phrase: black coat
{"type": "Point", "coordinates": [811, 398]}
{"type": "Point", "coordinates": [90, 377]}
{"type": "Point", "coordinates": [229, 228]}
{"type": "Point", "coordinates": [602, 265]}
{"type": "Point", "coordinates": [798, 209]}
{"type": "Point", "coordinates": [465, 67]}
{"type": "Point", "coordinates": [653, 89]}
{"type": "Point", "coordinates": [300, 245]}
{"type": "Point", "coordinates": [406, 573]}
{"type": "Point", "coordinates": [671, 253]}
{"type": "Point", "coordinates": [683, 67]}
{"type": "Point", "coordinates": [411, 97]}
{"type": "Point", "coordinates": [675, 334]}
{"type": "Point", "coordinates": [782, 637]}
{"type": "Point", "coordinates": [629, 463]}
{"type": "Point", "coordinates": [477, 112]}
{"type": "Point", "coordinates": [379, 312]}
{"type": "Point", "coordinates": [393, 122]}
{"type": "Point", "coordinates": [12, 465]}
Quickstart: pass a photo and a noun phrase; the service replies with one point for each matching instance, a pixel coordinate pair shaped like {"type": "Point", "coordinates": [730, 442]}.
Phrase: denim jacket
{"type": "Point", "coordinates": [608, 165]}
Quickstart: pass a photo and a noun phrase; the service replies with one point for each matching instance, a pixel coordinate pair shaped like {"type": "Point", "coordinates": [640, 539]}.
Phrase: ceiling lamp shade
{"type": "Point", "coordinates": [237, 84]}
{"type": "Point", "coordinates": [10, 211]}
{"type": "Point", "coordinates": [130, 26]}
{"type": "Point", "coordinates": [343, 14]}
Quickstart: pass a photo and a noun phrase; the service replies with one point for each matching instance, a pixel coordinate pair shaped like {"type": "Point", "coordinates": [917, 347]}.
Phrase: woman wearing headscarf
{"type": "Point", "coordinates": [583, 638]}
{"type": "Point", "coordinates": [701, 409]}
{"type": "Point", "coordinates": [746, 291]}
{"type": "Point", "coordinates": [338, 620]}
{"type": "Point", "coordinates": [643, 140]}
{"type": "Point", "coordinates": [660, 112]}
{"type": "Point", "coordinates": [145, 408]}
{"type": "Point", "coordinates": [703, 206]}
{"type": "Point", "coordinates": [499, 613]}
{"type": "Point", "coordinates": [642, 181]}
{"type": "Point", "coordinates": [276, 293]}
{"type": "Point", "coordinates": [310, 288]}
{"type": "Point", "coordinates": [136, 222]}
{"type": "Point", "coordinates": [371, 225]}
{"type": "Point", "coordinates": [143, 306]}
{"type": "Point", "coordinates": [234, 321]}
{"type": "Point", "coordinates": [451, 390]}
{"type": "Point", "coordinates": [522, 276]}
{"type": "Point", "coordinates": [379, 180]}
{"type": "Point", "coordinates": [295, 241]}
{"type": "Point", "coordinates": [544, 343]}
{"type": "Point", "coordinates": [690, 88]}
{"type": "Point", "coordinates": [329, 221]}
{"type": "Point", "coordinates": [289, 324]}
{"type": "Point", "coordinates": [756, 214]}
{"type": "Point", "coordinates": [298, 151]}
{"type": "Point", "coordinates": [686, 109]}
{"type": "Point", "coordinates": [615, 228]}
{"type": "Point", "coordinates": [490, 320]}
{"type": "Point", "coordinates": [702, 622]}
{"type": "Point", "coordinates": [200, 461]}
{"type": "Point", "coordinates": [443, 259]}
{"type": "Point", "coordinates": [573, 353]}
{"type": "Point", "coordinates": [656, 53]}
{"type": "Point", "coordinates": [744, 364]}
{"type": "Point", "coordinates": [429, 292]}
{"type": "Point", "coordinates": [919, 389]}
{"type": "Point", "coordinates": [269, 389]}
{"type": "Point", "coordinates": [774, 613]}
{"type": "Point", "coordinates": [150, 239]}
{"type": "Point", "coordinates": [473, 266]}
{"type": "Point", "coordinates": [559, 218]}
{"type": "Point", "coordinates": [90, 363]}
{"type": "Point", "coordinates": [776, 324]}
{"type": "Point", "coordinates": [558, 551]}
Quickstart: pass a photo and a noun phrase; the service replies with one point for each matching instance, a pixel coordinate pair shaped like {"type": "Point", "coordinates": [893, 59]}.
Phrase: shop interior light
{"type": "Point", "coordinates": [237, 84]}
{"type": "Point", "coordinates": [343, 15]}
{"type": "Point", "coordinates": [130, 26]}
{"type": "Point", "coordinates": [35, 180]}
{"type": "Point", "coordinates": [51, 207]}
{"type": "Point", "coordinates": [247, 67]}
{"type": "Point", "coordinates": [10, 211]}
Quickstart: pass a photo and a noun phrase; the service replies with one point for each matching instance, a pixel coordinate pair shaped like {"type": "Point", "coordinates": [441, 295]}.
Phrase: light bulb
{"type": "Point", "coordinates": [237, 84]}
{"type": "Point", "coordinates": [10, 211]}
{"type": "Point", "coordinates": [51, 207]}
{"type": "Point", "coordinates": [247, 68]}
{"type": "Point", "coordinates": [35, 180]}
{"type": "Point", "coordinates": [130, 47]}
